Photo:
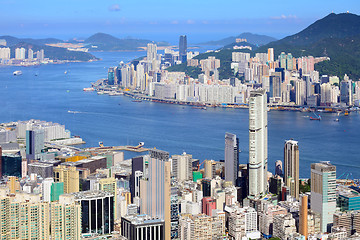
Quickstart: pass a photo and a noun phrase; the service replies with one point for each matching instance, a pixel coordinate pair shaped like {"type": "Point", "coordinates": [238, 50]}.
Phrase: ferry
{"type": "Point", "coordinates": [88, 89]}
{"type": "Point", "coordinates": [17, 73]}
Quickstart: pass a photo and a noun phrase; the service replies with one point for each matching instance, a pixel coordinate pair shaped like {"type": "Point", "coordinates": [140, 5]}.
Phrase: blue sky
{"type": "Point", "coordinates": [163, 19]}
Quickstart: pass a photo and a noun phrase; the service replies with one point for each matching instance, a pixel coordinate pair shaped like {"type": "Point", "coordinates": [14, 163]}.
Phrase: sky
{"type": "Point", "coordinates": [164, 19]}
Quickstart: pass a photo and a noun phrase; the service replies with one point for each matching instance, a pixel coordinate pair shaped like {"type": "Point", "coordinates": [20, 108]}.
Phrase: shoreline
{"type": "Point", "coordinates": [202, 105]}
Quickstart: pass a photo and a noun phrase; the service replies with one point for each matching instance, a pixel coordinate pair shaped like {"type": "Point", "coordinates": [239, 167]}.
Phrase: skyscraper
{"type": "Point", "coordinates": [151, 52]}
{"type": "Point", "coordinates": [183, 48]}
{"type": "Point", "coordinates": [323, 192]}
{"type": "Point", "coordinates": [34, 143]}
{"type": "Point", "coordinates": [270, 54]}
{"type": "Point", "coordinates": [291, 167]}
{"type": "Point", "coordinates": [231, 158]}
{"type": "Point", "coordinates": [257, 143]}
{"type": "Point", "coordinates": [155, 191]}
{"type": "Point", "coordinates": [182, 166]}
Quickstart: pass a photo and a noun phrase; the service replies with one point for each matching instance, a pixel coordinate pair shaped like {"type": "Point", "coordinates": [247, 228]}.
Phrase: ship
{"type": "Point", "coordinates": [136, 100]}
{"type": "Point", "coordinates": [88, 89]}
{"type": "Point", "coordinates": [17, 73]}
{"type": "Point", "coordinates": [317, 117]}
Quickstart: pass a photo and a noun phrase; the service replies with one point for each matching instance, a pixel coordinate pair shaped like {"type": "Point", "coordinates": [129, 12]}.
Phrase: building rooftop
{"type": "Point", "coordinates": [92, 194]}
{"type": "Point", "coordinates": [143, 219]}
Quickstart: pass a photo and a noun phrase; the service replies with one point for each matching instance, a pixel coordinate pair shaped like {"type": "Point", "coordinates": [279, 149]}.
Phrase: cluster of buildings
{"type": "Point", "coordinates": [21, 56]}
{"type": "Point", "coordinates": [65, 192]}
{"type": "Point", "coordinates": [288, 81]}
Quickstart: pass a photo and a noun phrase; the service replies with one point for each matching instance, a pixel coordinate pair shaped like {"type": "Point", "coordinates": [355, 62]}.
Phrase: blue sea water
{"type": "Point", "coordinates": [116, 120]}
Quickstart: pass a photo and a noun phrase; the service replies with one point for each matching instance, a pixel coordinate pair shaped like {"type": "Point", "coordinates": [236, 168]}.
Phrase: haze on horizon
{"type": "Point", "coordinates": [163, 19]}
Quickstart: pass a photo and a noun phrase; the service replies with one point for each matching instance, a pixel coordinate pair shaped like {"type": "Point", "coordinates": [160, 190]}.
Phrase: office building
{"type": "Point", "coordinates": [142, 227]}
{"type": "Point", "coordinates": [231, 158]}
{"type": "Point", "coordinates": [291, 167]}
{"type": "Point", "coordinates": [183, 48]}
{"type": "Point", "coordinates": [279, 168]}
{"type": "Point", "coordinates": [97, 211]}
{"type": "Point", "coordinates": [174, 206]}
{"type": "Point", "coordinates": [137, 171]}
{"type": "Point", "coordinates": [348, 198]}
{"type": "Point", "coordinates": [155, 191]}
{"type": "Point", "coordinates": [57, 189]}
{"type": "Point", "coordinates": [44, 170]}
{"type": "Point", "coordinates": [34, 143]}
{"type": "Point", "coordinates": [182, 167]}
{"type": "Point", "coordinates": [257, 143]}
{"type": "Point", "coordinates": [69, 176]}
{"type": "Point", "coordinates": [323, 192]}
{"type": "Point", "coordinates": [66, 219]}
{"type": "Point", "coordinates": [11, 164]}
{"type": "Point", "coordinates": [209, 169]}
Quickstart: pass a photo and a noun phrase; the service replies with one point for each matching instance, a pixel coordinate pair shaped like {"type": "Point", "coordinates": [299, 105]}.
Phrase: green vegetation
{"type": "Point", "coordinates": [189, 71]}
{"type": "Point", "coordinates": [255, 39]}
{"type": "Point", "coordinates": [274, 238]}
{"type": "Point", "coordinates": [305, 186]}
{"type": "Point", "coordinates": [336, 36]}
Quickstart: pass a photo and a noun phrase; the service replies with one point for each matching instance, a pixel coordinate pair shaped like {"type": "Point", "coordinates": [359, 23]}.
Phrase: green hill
{"type": "Point", "coordinates": [251, 38]}
{"type": "Point", "coordinates": [336, 36]}
{"type": "Point", "coordinates": [11, 41]}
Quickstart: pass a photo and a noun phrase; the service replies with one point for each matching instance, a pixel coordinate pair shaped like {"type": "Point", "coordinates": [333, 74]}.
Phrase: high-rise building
{"type": "Point", "coordinates": [279, 168]}
{"type": "Point", "coordinates": [151, 52]}
{"type": "Point", "coordinates": [258, 143]}
{"type": "Point", "coordinates": [231, 158]}
{"type": "Point", "coordinates": [291, 167]}
{"type": "Point", "coordinates": [69, 176]}
{"type": "Point", "coordinates": [142, 227]}
{"type": "Point", "coordinates": [209, 169]}
{"type": "Point", "coordinates": [137, 171]}
{"type": "Point", "coordinates": [183, 48]}
{"type": "Point", "coordinates": [23, 217]}
{"type": "Point", "coordinates": [303, 220]}
{"type": "Point", "coordinates": [208, 204]}
{"type": "Point", "coordinates": [155, 191]}
{"type": "Point", "coordinates": [323, 192]}
{"type": "Point", "coordinates": [284, 226]}
{"type": "Point", "coordinates": [30, 54]}
{"type": "Point", "coordinates": [66, 219]}
{"type": "Point", "coordinates": [270, 54]}
{"type": "Point", "coordinates": [182, 167]}
{"type": "Point", "coordinates": [242, 223]}
{"type": "Point", "coordinates": [34, 143]}
{"type": "Point", "coordinates": [109, 185]}
{"type": "Point", "coordinates": [97, 211]}
{"type": "Point", "coordinates": [20, 53]}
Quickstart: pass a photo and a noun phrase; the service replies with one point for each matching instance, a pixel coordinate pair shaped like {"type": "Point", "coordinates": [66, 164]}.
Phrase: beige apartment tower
{"type": "Point", "coordinates": [69, 176]}
{"type": "Point", "coordinates": [291, 167]}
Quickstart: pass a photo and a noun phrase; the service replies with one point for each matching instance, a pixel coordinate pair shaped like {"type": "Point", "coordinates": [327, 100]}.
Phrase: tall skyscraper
{"type": "Point", "coordinates": [30, 54]}
{"type": "Point", "coordinates": [182, 166]}
{"type": "Point", "coordinates": [323, 192]}
{"type": "Point", "coordinates": [151, 52]}
{"type": "Point", "coordinates": [231, 158]}
{"type": "Point", "coordinates": [183, 48]}
{"type": "Point", "coordinates": [155, 191]}
{"type": "Point", "coordinates": [34, 143]}
{"type": "Point", "coordinates": [291, 167]}
{"type": "Point", "coordinates": [270, 54]}
{"type": "Point", "coordinates": [258, 143]}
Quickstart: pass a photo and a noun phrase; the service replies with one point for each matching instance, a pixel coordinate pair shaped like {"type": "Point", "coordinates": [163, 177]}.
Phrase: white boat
{"type": "Point", "coordinates": [88, 89]}
{"type": "Point", "coordinates": [17, 73]}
